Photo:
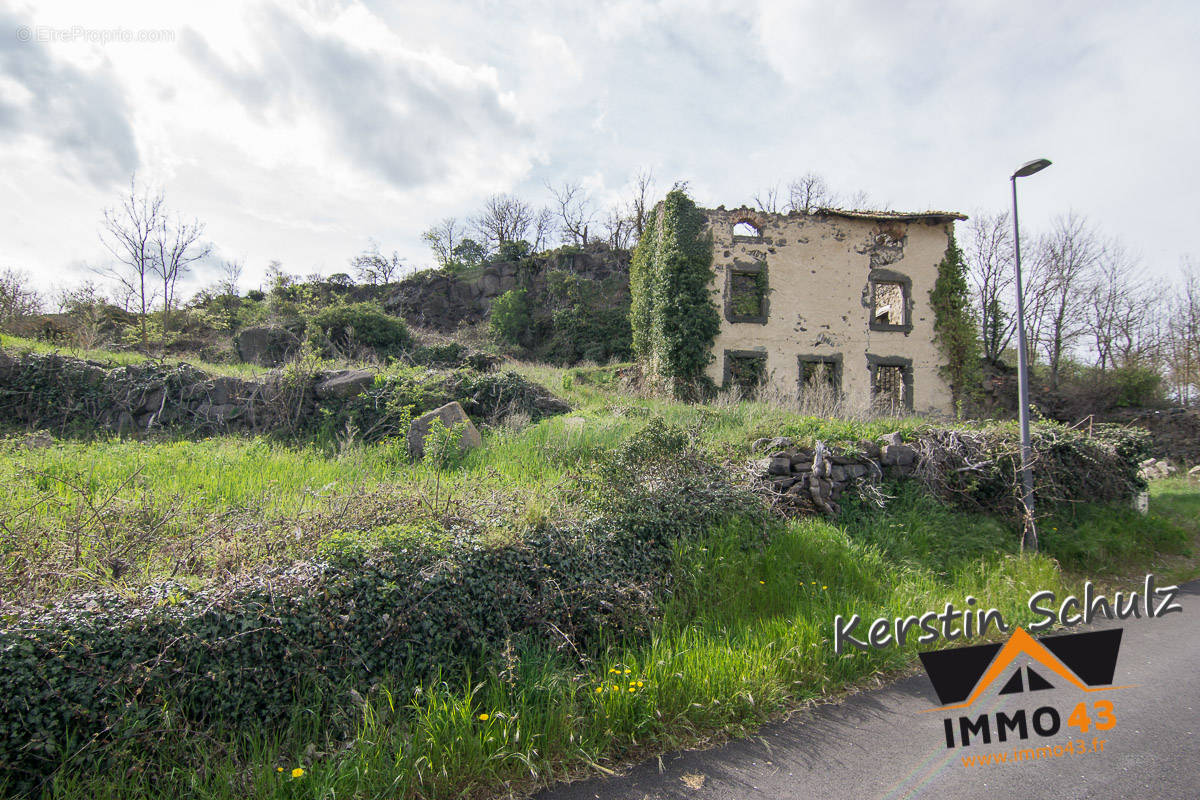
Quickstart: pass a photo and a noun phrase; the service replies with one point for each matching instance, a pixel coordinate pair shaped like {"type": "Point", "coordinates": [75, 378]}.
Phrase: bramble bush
{"type": "Point", "coordinates": [404, 604]}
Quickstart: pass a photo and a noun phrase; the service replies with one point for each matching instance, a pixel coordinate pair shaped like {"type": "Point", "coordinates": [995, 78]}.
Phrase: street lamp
{"type": "Point", "coordinates": [1029, 536]}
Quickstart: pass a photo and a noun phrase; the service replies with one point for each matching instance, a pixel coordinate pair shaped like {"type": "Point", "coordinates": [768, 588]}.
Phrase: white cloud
{"type": "Point", "coordinates": [298, 131]}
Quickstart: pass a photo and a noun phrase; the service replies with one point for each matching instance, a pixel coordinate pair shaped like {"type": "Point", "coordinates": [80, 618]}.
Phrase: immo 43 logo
{"type": "Point", "coordinates": [964, 675]}
{"type": "Point", "coordinates": [1000, 677]}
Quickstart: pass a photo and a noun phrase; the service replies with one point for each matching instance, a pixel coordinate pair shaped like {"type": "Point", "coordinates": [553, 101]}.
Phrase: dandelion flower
{"type": "Point", "coordinates": [764, 583]}
{"type": "Point", "coordinates": [632, 689]}
{"type": "Point", "coordinates": [599, 689]}
{"type": "Point", "coordinates": [483, 717]}
{"type": "Point", "coordinates": [297, 772]}
{"type": "Point", "coordinates": [824, 587]}
{"type": "Point", "coordinates": [639, 684]}
{"type": "Point", "coordinates": [628, 671]}
{"type": "Point", "coordinates": [279, 769]}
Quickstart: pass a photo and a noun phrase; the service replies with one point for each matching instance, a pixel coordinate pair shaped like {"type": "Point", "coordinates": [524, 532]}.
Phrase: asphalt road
{"type": "Point", "coordinates": [878, 744]}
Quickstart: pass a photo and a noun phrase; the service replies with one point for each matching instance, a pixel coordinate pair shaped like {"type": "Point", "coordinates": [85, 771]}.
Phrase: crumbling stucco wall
{"type": "Point", "coordinates": [822, 274]}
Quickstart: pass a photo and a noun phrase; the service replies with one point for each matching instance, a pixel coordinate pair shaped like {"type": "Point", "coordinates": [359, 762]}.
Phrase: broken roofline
{"type": "Point", "coordinates": [891, 216]}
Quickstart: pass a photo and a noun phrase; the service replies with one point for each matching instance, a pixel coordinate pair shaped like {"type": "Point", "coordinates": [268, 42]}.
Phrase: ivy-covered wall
{"type": "Point", "coordinates": [674, 318]}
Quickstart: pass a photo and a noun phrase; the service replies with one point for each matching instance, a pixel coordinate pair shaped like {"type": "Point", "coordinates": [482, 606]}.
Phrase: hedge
{"type": "Point", "coordinates": [402, 605]}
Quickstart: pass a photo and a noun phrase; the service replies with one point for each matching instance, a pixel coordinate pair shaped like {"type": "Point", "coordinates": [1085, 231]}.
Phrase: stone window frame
{"type": "Point", "coordinates": [906, 376]}
{"type": "Point", "coordinates": [727, 366]}
{"type": "Point", "coordinates": [878, 276]}
{"type": "Point", "coordinates": [738, 237]}
{"type": "Point", "coordinates": [764, 305]}
{"type": "Point", "coordinates": [833, 360]}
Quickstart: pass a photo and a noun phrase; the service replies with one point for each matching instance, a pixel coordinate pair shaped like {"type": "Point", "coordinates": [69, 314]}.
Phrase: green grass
{"type": "Point", "coordinates": [744, 636]}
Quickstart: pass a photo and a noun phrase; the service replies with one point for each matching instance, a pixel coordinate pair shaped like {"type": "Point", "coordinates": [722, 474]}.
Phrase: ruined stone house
{"type": "Point", "coordinates": [835, 302]}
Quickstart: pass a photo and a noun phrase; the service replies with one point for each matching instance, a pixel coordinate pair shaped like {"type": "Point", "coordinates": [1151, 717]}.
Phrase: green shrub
{"type": "Point", "coordinates": [510, 320]}
{"type": "Point", "coordinates": [346, 327]}
{"type": "Point", "coordinates": [414, 608]}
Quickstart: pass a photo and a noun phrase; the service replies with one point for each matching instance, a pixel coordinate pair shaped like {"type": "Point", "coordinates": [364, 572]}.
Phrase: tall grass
{"type": "Point", "coordinates": [744, 635]}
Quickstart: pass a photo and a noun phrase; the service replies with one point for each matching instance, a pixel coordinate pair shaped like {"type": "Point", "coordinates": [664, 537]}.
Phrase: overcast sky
{"type": "Point", "coordinates": [301, 131]}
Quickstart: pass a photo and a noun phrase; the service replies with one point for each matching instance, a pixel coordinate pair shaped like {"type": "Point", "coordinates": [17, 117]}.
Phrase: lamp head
{"type": "Point", "coordinates": [1030, 167]}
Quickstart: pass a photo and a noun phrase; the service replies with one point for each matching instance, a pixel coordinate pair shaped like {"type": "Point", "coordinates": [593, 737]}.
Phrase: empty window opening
{"type": "Point", "coordinates": [746, 230]}
{"type": "Point", "coordinates": [747, 295]}
{"type": "Point", "coordinates": [889, 305]}
{"type": "Point", "coordinates": [745, 372]}
{"type": "Point", "coordinates": [887, 389]}
{"type": "Point", "coordinates": [820, 374]}
{"type": "Point", "coordinates": [820, 385]}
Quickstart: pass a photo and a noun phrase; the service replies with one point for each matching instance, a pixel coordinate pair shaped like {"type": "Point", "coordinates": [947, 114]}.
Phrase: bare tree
{"type": "Point", "coordinates": [1183, 337]}
{"type": "Point", "coordinates": [543, 229]}
{"type": "Point", "coordinates": [505, 218]}
{"type": "Point", "coordinates": [177, 246]}
{"type": "Point", "coordinates": [128, 233]}
{"type": "Point", "coordinates": [618, 228]}
{"type": "Point", "coordinates": [808, 193]}
{"type": "Point", "coordinates": [643, 200]}
{"type": "Point", "coordinates": [230, 277]}
{"type": "Point", "coordinates": [575, 212]}
{"type": "Point", "coordinates": [442, 238]}
{"type": "Point", "coordinates": [768, 200]}
{"type": "Point", "coordinates": [17, 299]}
{"type": "Point", "coordinates": [989, 255]}
{"type": "Point", "coordinates": [374, 268]}
{"type": "Point", "coordinates": [1115, 309]}
{"type": "Point", "coordinates": [1067, 259]}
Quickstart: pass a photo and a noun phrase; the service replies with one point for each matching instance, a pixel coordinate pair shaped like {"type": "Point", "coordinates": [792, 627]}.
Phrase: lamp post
{"type": "Point", "coordinates": [1029, 535]}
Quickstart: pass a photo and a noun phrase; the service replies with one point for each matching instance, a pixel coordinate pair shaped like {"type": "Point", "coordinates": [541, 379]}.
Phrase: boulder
{"type": "Point", "coordinates": [266, 346]}
{"type": "Point", "coordinates": [344, 383]}
{"type": "Point", "coordinates": [779, 465]}
{"type": "Point", "coordinates": [1194, 472]}
{"type": "Point", "coordinates": [450, 414]}
{"type": "Point", "coordinates": [891, 439]}
{"type": "Point", "coordinates": [897, 455]}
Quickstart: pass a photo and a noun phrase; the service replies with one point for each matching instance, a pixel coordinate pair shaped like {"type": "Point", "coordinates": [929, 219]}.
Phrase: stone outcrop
{"type": "Point", "coordinates": [450, 414]}
{"type": "Point", "coordinates": [265, 346]}
{"type": "Point", "coordinates": [58, 393]}
{"type": "Point", "coordinates": [442, 301]}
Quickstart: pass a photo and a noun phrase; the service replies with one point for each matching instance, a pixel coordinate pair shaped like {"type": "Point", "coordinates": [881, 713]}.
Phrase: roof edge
{"type": "Point", "coordinates": [894, 216]}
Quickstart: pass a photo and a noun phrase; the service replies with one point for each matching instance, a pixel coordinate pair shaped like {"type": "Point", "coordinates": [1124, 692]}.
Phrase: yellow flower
{"type": "Point", "coordinates": [628, 671]}
{"type": "Point", "coordinates": [483, 717]}
{"type": "Point", "coordinates": [612, 671]}
{"type": "Point", "coordinates": [599, 689]}
{"type": "Point", "coordinates": [764, 583]}
{"type": "Point", "coordinates": [279, 769]}
{"type": "Point", "coordinates": [632, 689]}
{"type": "Point", "coordinates": [639, 684]}
{"type": "Point", "coordinates": [616, 688]}
{"type": "Point", "coordinates": [297, 772]}
{"type": "Point", "coordinates": [824, 587]}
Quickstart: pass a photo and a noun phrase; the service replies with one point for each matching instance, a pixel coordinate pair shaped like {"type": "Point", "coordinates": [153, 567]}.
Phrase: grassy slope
{"type": "Point", "coordinates": [745, 636]}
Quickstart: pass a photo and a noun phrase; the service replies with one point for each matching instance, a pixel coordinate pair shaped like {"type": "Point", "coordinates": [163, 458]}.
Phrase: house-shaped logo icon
{"type": "Point", "coordinates": [961, 675]}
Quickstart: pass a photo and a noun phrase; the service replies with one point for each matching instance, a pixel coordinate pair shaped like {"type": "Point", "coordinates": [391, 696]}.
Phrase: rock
{"type": "Point", "coordinates": [550, 405]}
{"type": "Point", "coordinates": [153, 401]}
{"type": "Point", "coordinates": [897, 455]}
{"type": "Point", "coordinates": [781, 443]}
{"type": "Point", "coordinates": [779, 465]}
{"type": "Point", "coordinates": [891, 439]}
{"type": "Point", "coordinates": [345, 383]}
{"type": "Point", "coordinates": [37, 441]}
{"type": "Point", "coordinates": [225, 390]}
{"type": "Point", "coordinates": [760, 444]}
{"type": "Point", "coordinates": [855, 470]}
{"type": "Point", "coordinates": [266, 346]}
{"type": "Point", "coordinates": [450, 414]}
{"type": "Point", "coordinates": [837, 473]}
{"type": "Point", "coordinates": [1194, 472]}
